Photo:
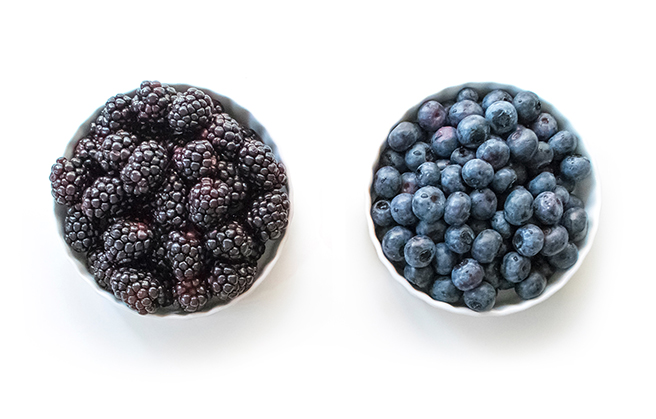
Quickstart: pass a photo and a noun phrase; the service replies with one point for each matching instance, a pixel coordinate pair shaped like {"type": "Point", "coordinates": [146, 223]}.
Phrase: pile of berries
{"type": "Point", "coordinates": [474, 197]}
{"type": "Point", "coordinates": [171, 200]}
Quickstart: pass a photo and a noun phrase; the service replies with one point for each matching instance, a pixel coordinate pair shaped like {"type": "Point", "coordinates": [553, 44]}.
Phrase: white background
{"type": "Point", "coordinates": [329, 333]}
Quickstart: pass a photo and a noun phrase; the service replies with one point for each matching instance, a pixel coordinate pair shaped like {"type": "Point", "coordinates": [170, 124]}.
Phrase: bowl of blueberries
{"type": "Point", "coordinates": [483, 200]}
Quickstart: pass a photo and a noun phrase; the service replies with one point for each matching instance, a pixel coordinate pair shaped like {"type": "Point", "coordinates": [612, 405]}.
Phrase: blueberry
{"type": "Point", "coordinates": [451, 179]}
{"type": "Point", "coordinates": [501, 226]}
{"type": "Point", "coordinates": [387, 182]}
{"type": "Point", "coordinates": [381, 214]}
{"type": "Point", "coordinates": [435, 231]}
{"type": "Point", "coordinates": [467, 93]}
{"type": "Point", "coordinates": [543, 182]}
{"type": "Point", "coordinates": [402, 210]}
{"type": "Point", "coordinates": [442, 163]}
{"type": "Point", "coordinates": [574, 202]}
{"type": "Point", "coordinates": [477, 173]}
{"type": "Point", "coordinates": [518, 207]}
{"type": "Point", "coordinates": [502, 117]}
{"type": "Point", "coordinates": [473, 130]}
{"type": "Point", "coordinates": [540, 264]}
{"type": "Point", "coordinates": [394, 241]}
{"type": "Point", "coordinates": [575, 220]}
{"type": "Point", "coordinates": [467, 274]}
{"type": "Point", "coordinates": [457, 208]}
{"type": "Point", "coordinates": [394, 159]}
{"type": "Point", "coordinates": [563, 143]}
{"type": "Point", "coordinates": [493, 273]}
{"type": "Point", "coordinates": [381, 231]}
{"type": "Point", "coordinates": [445, 259]}
{"type": "Point", "coordinates": [568, 184]}
{"type": "Point", "coordinates": [575, 168]}
{"type": "Point", "coordinates": [462, 155]}
{"type": "Point", "coordinates": [419, 153]}
{"type": "Point", "coordinates": [419, 251]}
{"type": "Point", "coordinates": [494, 151]}
{"type": "Point", "coordinates": [523, 144]}
{"type": "Point", "coordinates": [409, 182]}
{"type": "Point", "coordinates": [444, 290]}
{"type": "Point", "coordinates": [562, 195]}
{"type": "Point", "coordinates": [496, 96]}
{"type": "Point", "coordinates": [566, 258]}
{"type": "Point", "coordinates": [555, 240]}
{"type": "Point", "coordinates": [461, 110]}
{"type": "Point", "coordinates": [505, 247]}
{"type": "Point", "coordinates": [547, 208]}
{"type": "Point", "coordinates": [481, 298]}
{"type": "Point", "coordinates": [431, 116]}
{"type": "Point", "coordinates": [459, 239]}
{"type": "Point", "coordinates": [520, 171]}
{"type": "Point", "coordinates": [545, 126]}
{"type": "Point", "coordinates": [420, 278]}
{"type": "Point", "coordinates": [444, 141]}
{"type": "Point", "coordinates": [428, 204]}
{"type": "Point", "coordinates": [404, 136]}
{"type": "Point", "coordinates": [528, 240]}
{"type": "Point", "coordinates": [486, 245]}
{"type": "Point", "coordinates": [515, 267]}
{"type": "Point", "coordinates": [528, 106]}
{"type": "Point", "coordinates": [478, 225]}
{"type": "Point", "coordinates": [428, 174]}
{"type": "Point", "coordinates": [483, 204]}
{"type": "Point", "coordinates": [503, 179]}
{"type": "Point", "coordinates": [542, 157]}
{"type": "Point", "coordinates": [531, 287]}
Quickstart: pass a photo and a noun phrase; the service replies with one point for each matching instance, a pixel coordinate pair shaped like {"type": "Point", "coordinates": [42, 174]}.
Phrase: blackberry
{"type": "Point", "coordinates": [137, 288]}
{"type": "Point", "coordinates": [228, 280]}
{"type": "Point", "coordinates": [68, 179]}
{"type": "Point", "coordinates": [226, 135]}
{"type": "Point", "coordinates": [208, 202]}
{"type": "Point", "coordinates": [197, 159]}
{"type": "Point", "coordinates": [258, 164]}
{"type": "Point", "coordinates": [86, 150]}
{"type": "Point", "coordinates": [101, 268]}
{"type": "Point", "coordinates": [269, 214]}
{"type": "Point", "coordinates": [128, 241]}
{"type": "Point", "coordinates": [184, 253]}
{"type": "Point", "coordinates": [170, 203]}
{"type": "Point", "coordinates": [115, 150]}
{"type": "Point", "coordinates": [145, 168]}
{"type": "Point", "coordinates": [230, 242]}
{"type": "Point", "coordinates": [79, 232]}
{"type": "Point", "coordinates": [103, 197]}
{"type": "Point", "coordinates": [191, 111]}
{"type": "Point", "coordinates": [192, 294]}
{"type": "Point", "coordinates": [115, 116]}
{"type": "Point", "coordinates": [152, 103]}
{"type": "Point", "coordinates": [227, 172]}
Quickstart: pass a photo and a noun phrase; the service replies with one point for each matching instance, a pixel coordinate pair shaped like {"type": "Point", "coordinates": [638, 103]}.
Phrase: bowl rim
{"type": "Point", "coordinates": [592, 200]}
{"type": "Point", "coordinates": [273, 247]}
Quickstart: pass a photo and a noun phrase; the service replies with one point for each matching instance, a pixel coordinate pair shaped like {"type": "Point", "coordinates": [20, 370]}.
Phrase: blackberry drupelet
{"type": "Point", "coordinates": [86, 150]}
{"type": "Point", "coordinates": [229, 280]}
{"type": "Point", "coordinates": [184, 254]}
{"type": "Point", "coordinates": [258, 164]}
{"type": "Point", "coordinates": [170, 203]}
{"type": "Point", "coordinates": [191, 111]}
{"type": "Point", "coordinates": [137, 288]}
{"type": "Point", "coordinates": [230, 242]}
{"type": "Point", "coordinates": [227, 172]}
{"type": "Point", "coordinates": [152, 103]}
{"type": "Point", "coordinates": [79, 232]}
{"type": "Point", "coordinates": [68, 179]}
{"type": "Point", "coordinates": [269, 214]}
{"type": "Point", "coordinates": [116, 115]}
{"type": "Point", "coordinates": [208, 203]}
{"type": "Point", "coordinates": [226, 135]}
{"type": "Point", "coordinates": [128, 241]}
{"type": "Point", "coordinates": [115, 150]}
{"type": "Point", "coordinates": [192, 294]}
{"type": "Point", "coordinates": [101, 268]}
{"type": "Point", "coordinates": [195, 160]}
{"type": "Point", "coordinates": [145, 168]}
{"type": "Point", "coordinates": [103, 197]}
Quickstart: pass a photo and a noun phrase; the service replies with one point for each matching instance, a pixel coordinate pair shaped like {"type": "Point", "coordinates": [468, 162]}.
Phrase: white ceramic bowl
{"type": "Point", "coordinates": [273, 247]}
{"type": "Point", "coordinates": [507, 301]}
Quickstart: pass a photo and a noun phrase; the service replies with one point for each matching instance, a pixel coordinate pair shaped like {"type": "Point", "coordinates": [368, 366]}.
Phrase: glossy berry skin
{"type": "Point", "coordinates": [444, 259]}
{"type": "Point", "coordinates": [418, 154]}
{"type": "Point", "coordinates": [404, 136]}
{"type": "Point", "coordinates": [477, 173]}
{"type": "Point", "coordinates": [387, 182]}
{"type": "Point", "coordinates": [495, 152]}
{"type": "Point", "coordinates": [444, 290]}
{"type": "Point", "coordinates": [402, 209]}
{"type": "Point", "coordinates": [462, 155]}
{"type": "Point", "coordinates": [566, 258]}
{"type": "Point", "coordinates": [431, 116]}
{"type": "Point", "coordinates": [457, 208]}
{"type": "Point", "coordinates": [420, 278]}
{"type": "Point", "coordinates": [481, 298]}
{"type": "Point", "coordinates": [483, 204]}
{"type": "Point", "coordinates": [547, 208]}
{"type": "Point", "coordinates": [528, 106]}
{"type": "Point", "coordinates": [444, 141]}
{"type": "Point", "coordinates": [419, 251]}
{"type": "Point", "coordinates": [381, 213]}
{"type": "Point", "coordinates": [435, 231]}
{"type": "Point", "coordinates": [503, 180]}
{"type": "Point", "coordinates": [545, 126]}
{"type": "Point", "coordinates": [563, 143]}
{"type": "Point", "coordinates": [515, 268]}
{"type": "Point", "coordinates": [428, 204]}
{"type": "Point", "coordinates": [473, 130]}
{"type": "Point", "coordinates": [544, 182]}
{"type": "Point", "coordinates": [575, 220]}
{"type": "Point", "coordinates": [461, 110]}
{"type": "Point", "coordinates": [394, 241]}
{"type": "Point", "coordinates": [501, 226]}
{"type": "Point", "coordinates": [502, 117]}
{"type": "Point", "coordinates": [467, 275]}
{"type": "Point", "coordinates": [409, 183]}
{"type": "Point", "coordinates": [392, 158]}
{"type": "Point", "coordinates": [523, 144]}
{"type": "Point", "coordinates": [496, 96]}
{"type": "Point", "coordinates": [451, 179]}
{"type": "Point", "coordinates": [486, 245]}
{"type": "Point", "coordinates": [562, 195]}
{"type": "Point", "coordinates": [428, 174]}
{"type": "Point", "coordinates": [467, 93]}
{"type": "Point", "coordinates": [555, 240]}
{"type": "Point", "coordinates": [575, 168]}
{"type": "Point", "coordinates": [531, 287]}
{"type": "Point", "coordinates": [459, 239]}
{"type": "Point", "coordinates": [518, 208]}
{"type": "Point", "coordinates": [528, 240]}
{"type": "Point", "coordinates": [542, 157]}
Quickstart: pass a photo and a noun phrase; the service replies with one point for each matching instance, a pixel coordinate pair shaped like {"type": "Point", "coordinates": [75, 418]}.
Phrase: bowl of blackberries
{"type": "Point", "coordinates": [172, 200]}
{"type": "Point", "coordinates": [483, 200]}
